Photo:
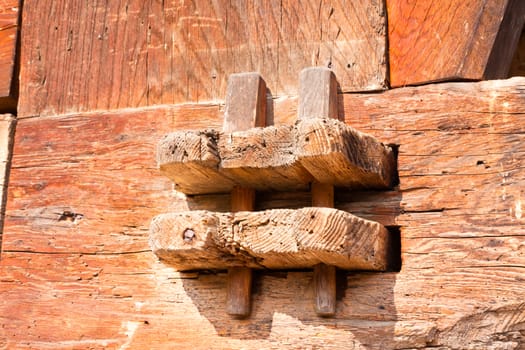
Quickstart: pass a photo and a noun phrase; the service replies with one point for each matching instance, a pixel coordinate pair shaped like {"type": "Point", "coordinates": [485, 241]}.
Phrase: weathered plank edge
{"type": "Point", "coordinates": [275, 239]}
{"type": "Point", "coordinates": [326, 150]}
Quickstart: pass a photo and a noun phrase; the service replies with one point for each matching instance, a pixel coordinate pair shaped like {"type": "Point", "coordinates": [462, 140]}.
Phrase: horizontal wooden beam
{"type": "Point", "coordinates": [276, 239]}
{"type": "Point", "coordinates": [433, 41]}
{"type": "Point", "coordinates": [191, 159]}
{"type": "Point", "coordinates": [276, 158]}
{"type": "Point", "coordinates": [183, 51]}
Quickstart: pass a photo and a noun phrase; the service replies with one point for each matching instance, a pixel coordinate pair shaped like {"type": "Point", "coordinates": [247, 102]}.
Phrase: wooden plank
{"type": "Point", "coordinates": [451, 40]}
{"type": "Point", "coordinates": [7, 130]}
{"type": "Point", "coordinates": [150, 53]}
{"type": "Point", "coordinates": [274, 239]}
{"type": "Point", "coordinates": [8, 48]}
{"type": "Point", "coordinates": [276, 158]}
{"type": "Point", "coordinates": [77, 272]}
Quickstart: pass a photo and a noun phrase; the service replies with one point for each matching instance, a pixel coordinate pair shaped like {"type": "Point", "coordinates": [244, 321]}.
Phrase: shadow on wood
{"type": "Point", "coordinates": [286, 297]}
{"type": "Point", "coordinates": [280, 297]}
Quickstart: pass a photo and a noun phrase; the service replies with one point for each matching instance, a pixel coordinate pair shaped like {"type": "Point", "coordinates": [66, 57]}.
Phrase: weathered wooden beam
{"type": "Point", "coordinates": [454, 39]}
{"type": "Point", "coordinates": [277, 158]}
{"type": "Point", "coordinates": [338, 154]}
{"type": "Point", "coordinates": [184, 51]}
{"type": "Point", "coordinates": [191, 159]}
{"type": "Point", "coordinates": [274, 239]}
{"type": "Point", "coordinates": [263, 158]}
{"type": "Point", "coordinates": [74, 282]}
{"type": "Point", "coordinates": [9, 13]}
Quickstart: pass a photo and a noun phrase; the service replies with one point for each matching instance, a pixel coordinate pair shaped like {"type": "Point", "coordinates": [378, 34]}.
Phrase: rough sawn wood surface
{"type": "Point", "coordinates": [77, 272]}
{"type": "Point", "coordinates": [141, 53]}
{"type": "Point", "coordinates": [270, 239]}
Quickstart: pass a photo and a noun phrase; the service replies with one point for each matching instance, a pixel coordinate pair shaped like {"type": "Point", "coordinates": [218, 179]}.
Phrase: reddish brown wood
{"type": "Point", "coordinates": [322, 195]}
{"type": "Point", "coordinates": [517, 67]}
{"type": "Point", "coordinates": [239, 287]}
{"type": "Point", "coordinates": [141, 53]}
{"type": "Point", "coordinates": [325, 290]}
{"type": "Point", "coordinates": [76, 270]}
{"type": "Point", "coordinates": [454, 39]}
{"type": "Point", "coordinates": [239, 291]}
{"type": "Point", "coordinates": [9, 10]}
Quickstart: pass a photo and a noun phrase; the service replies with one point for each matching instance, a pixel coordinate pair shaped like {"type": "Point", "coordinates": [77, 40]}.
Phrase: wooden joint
{"type": "Point", "coordinates": [318, 152]}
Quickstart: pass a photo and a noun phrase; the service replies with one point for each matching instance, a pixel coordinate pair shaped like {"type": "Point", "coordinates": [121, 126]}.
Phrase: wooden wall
{"type": "Point", "coordinates": [9, 28]}
{"type": "Point", "coordinates": [102, 83]}
{"type": "Point", "coordinates": [140, 53]}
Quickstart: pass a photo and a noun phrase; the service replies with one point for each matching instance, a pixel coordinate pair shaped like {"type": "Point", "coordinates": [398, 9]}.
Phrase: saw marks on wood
{"type": "Point", "coordinates": [139, 53]}
{"type": "Point", "coordinates": [454, 39]}
{"type": "Point", "coordinates": [274, 239]}
{"type": "Point", "coordinates": [276, 158]}
{"type": "Point", "coordinates": [92, 279]}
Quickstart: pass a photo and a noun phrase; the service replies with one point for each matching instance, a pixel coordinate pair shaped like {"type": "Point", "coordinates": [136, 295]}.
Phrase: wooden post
{"type": "Point", "coordinates": [318, 99]}
{"type": "Point", "coordinates": [245, 109]}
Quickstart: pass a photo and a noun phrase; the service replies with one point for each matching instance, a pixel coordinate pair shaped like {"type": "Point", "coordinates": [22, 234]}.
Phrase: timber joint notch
{"type": "Point", "coordinates": [317, 153]}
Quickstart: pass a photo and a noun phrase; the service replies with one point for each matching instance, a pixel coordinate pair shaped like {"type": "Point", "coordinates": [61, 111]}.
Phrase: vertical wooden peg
{"type": "Point", "coordinates": [245, 109]}
{"type": "Point", "coordinates": [317, 94]}
{"type": "Point", "coordinates": [318, 99]}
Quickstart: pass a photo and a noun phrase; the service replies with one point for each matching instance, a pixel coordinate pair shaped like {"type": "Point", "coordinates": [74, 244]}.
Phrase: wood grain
{"type": "Point", "coordinates": [143, 53]}
{"type": "Point", "coordinates": [245, 103]}
{"type": "Point", "coordinates": [343, 156]}
{"type": "Point", "coordinates": [274, 239]}
{"type": "Point", "coordinates": [77, 272]}
{"type": "Point", "coordinates": [433, 41]}
{"type": "Point", "coordinates": [325, 289]}
{"type": "Point", "coordinates": [276, 158]}
{"type": "Point", "coordinates": [318, 99]}
{"type": "Point", "coordinates": [9, 13]}
{"type": "Point", "coordinates": [517, 67]}
{"type": "Point", "coordinates": [317, 93]}
{"type": "Point", "coordinates": [191, 160]}
{"type": "Point", "coordinates": [7, 130]}
{"type": "Point", "coordinates": [239, 291]}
